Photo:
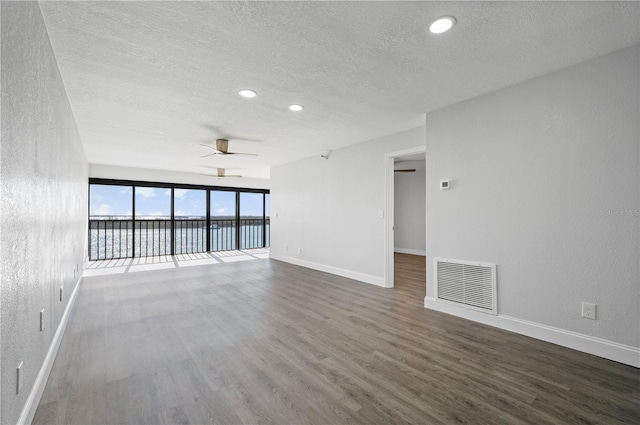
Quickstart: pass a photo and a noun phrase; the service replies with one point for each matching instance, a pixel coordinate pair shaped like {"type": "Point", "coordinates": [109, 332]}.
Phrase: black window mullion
{"type": "Point", "coordinates": [200, 239]}
{"type": "Point", "coordinates": [133, 221]}
{"type": "Point", "coordinates": [173, 223]}
{"type": "Point", "coordinates": [208, 221]}
{"type": "Point", "coordinates": [237, 220]}
{"type": "Point", "coordinates": [264, 220]}
{"type": "Point", "coordinates": [89, 217]}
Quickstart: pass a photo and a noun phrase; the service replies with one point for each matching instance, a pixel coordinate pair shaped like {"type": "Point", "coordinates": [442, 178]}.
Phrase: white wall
{"type": "Point", "coordinates": [162, 176]}
{"type": "Point", "coordinates": [43, 199]}
{"type": "Point", "coordinates": [546, 185]}
{"type": "Point", "coordinates": [329, 208]}
{"type": "Point", "coordinates": [409, 202]}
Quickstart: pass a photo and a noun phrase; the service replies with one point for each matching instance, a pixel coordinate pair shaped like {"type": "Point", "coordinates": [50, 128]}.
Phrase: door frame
{"type": "Point", "coordinates": [389, 159]}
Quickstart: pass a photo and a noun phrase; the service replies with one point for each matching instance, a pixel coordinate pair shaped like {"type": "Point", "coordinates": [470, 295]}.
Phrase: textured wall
{"type": "Point", "coordinates": [546, 185]}
{"type": "Point", "coordinates": [409, 202]}
{"type": "Point", "coordinates": [329, 208]}
{"type": "Point", "coordinates": [43, 199]}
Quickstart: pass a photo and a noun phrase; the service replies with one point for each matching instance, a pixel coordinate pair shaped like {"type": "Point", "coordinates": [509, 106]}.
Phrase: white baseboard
{"type": "Point", "coordinates": [362, 277]}
{"type": "Point", "coordinates": [598, 347]}
{"type": "Point", "coordinates": [410, 251]}
{"type": "Point", "coordinates": [31, 405]}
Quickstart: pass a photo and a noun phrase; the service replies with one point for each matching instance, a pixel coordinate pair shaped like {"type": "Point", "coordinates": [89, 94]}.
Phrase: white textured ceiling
{"type": "Point", "coordinates": [149, 81]}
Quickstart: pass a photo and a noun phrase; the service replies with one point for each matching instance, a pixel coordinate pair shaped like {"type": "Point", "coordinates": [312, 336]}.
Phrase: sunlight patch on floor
{"type": "Point", "coordinates": [131, 265]}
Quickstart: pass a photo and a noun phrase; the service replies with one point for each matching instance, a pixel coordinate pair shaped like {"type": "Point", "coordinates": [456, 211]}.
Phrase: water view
{"type": "Point", "coordinates": [135, 221]}
{"type": "Point", "coordinates": [115, 237]}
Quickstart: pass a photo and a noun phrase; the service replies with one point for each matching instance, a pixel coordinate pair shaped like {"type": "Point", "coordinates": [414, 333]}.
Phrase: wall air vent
{"type": "Point", "coordinates": [466, 284]}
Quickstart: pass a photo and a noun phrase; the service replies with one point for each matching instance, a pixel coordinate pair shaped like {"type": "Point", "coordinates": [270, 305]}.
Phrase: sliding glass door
{"type": "Point", "coordinates": [222, 209]}
{"type": "Point", "coordinates": [140, 219]}
{"type": "Point", "coordinates": [190, 220]}
{"type": "Point", "coordinates": [251, 220]}
{"type": "Point", "coordinates": [110, 222]}
{"type": "Point", "coordinates": [153, 230]}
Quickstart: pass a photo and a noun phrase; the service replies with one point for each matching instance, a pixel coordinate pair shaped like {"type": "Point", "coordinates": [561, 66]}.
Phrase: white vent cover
{"type": "Point", "coordinates": [467, 284]}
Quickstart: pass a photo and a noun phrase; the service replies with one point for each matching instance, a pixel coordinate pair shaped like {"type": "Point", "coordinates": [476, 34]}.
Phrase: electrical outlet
{"type": "Point", "coordinates": [588, 310]}
{"type": "Point", "coordinates": [299, 250]}
{"type": "Point", "coordinates": [61, 298]}
{"type": "Point", "coordinates": [18, 376]}
{"type": "Point", "coordinates": [41, 320]}
{"type": "Point", "coordinates": [286, 248]}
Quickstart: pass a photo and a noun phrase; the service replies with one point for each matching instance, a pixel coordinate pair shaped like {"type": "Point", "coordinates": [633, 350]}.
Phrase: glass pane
{"type": "Point", "coordinates": [110, 222]}
{"type": "Point", "coordinates": [267, 209]}
{"type": "Point", "coordinates": [251, 224]}
{"type": "Point", "coordinates": [153, 221]}
{"type": "Point", "coordinates": [190, 211]}
{"type": "Point", "coordinates": [223, 220]}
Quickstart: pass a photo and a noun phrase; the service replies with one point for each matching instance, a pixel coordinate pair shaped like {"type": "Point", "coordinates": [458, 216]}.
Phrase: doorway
{"type": "Point", "coordinates": [405, 236]}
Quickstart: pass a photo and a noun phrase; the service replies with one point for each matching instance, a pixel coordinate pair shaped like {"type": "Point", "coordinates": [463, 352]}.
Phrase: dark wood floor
{"type": "Point", "coordinates": [267, 342]}
{"type": "Point", "coordinates": [409, 277]}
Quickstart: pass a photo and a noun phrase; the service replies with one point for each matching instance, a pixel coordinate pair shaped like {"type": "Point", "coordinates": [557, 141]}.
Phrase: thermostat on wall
{"type": "Point", "coordinates": [446, 184]}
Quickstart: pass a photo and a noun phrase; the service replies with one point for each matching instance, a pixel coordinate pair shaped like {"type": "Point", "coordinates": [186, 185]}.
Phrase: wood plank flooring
{"type": "Point", "coordinates": [409, 277]}
{"type": "Point", "coordinates": [265, 342]}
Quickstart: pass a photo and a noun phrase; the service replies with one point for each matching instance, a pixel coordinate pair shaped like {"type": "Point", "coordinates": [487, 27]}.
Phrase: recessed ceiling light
{"type": "Point", "coordinates": [247, 93]}
{"type": "Point", "coordinates": [443, 24]}
{"type": "Point", "coordinates": [296, 108]}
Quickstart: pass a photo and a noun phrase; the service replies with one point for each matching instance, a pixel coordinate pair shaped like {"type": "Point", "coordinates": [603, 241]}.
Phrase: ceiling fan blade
{"type": "Point", "coordinates": [407, 170]}
{"type": "Point", "coordinates": [242, 139]}
{"type": "Point", "coordinates": [222, 148]}
{"type": "Point", "coordinates": [212, 148]}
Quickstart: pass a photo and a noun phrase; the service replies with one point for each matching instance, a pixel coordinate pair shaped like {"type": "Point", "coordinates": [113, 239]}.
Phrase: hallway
{"type": "Point", "coordinates": [409, 276]}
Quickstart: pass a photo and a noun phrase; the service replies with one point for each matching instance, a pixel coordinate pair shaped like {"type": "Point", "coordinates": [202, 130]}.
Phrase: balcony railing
{"type": "Point", "coordinates": [114, 238]}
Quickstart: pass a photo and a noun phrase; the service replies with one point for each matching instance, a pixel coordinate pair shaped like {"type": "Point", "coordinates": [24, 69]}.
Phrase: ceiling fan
{"type": "Point", "coordinates": [222, 148]}
{"type": "Point", "coordinates": [221, 174]}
